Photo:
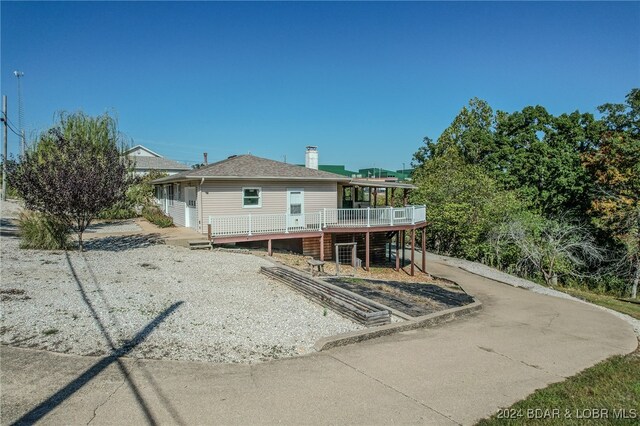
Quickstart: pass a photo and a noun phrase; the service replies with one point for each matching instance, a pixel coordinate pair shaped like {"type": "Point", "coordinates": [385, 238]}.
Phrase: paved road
{"type": "Point", "coordinates": [456, 373]}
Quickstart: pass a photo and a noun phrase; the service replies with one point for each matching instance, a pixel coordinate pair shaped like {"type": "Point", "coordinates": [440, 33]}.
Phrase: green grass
{"type": "Point", "coordinates": [631, 309]}
{"type": "Point", "coordinates": [612, 385]}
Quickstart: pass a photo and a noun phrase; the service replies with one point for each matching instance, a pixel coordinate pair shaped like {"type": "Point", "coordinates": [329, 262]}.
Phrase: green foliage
{"type": "Point", "coordinates": [157, 217]}
{"type": "Point", "coordinates": [531, 167]}
{"type": "Point", "coordinates": [43, 232]}
{"type": "Point", "coordinates": [74, 171]}
{"type": "Point", "coordinates": [615, 168]}
{"type": "Point", "coordinates": [463, 205]}
{"type": "Point", "coordinates": [139, 194]}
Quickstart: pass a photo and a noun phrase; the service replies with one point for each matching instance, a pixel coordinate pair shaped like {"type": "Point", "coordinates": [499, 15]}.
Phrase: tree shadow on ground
{"type": "Point", "coordinates": [123, 242]}
{"type": "Point", "coordinates": [9, 227]}
{"type": "Point", "coordinates": [44, 408]}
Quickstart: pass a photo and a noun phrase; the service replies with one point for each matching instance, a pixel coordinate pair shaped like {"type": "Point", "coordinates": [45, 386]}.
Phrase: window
{"type": "Point", "coordinates": [170, 194]}
{"type": "Point", "coordinates": [251, 198]}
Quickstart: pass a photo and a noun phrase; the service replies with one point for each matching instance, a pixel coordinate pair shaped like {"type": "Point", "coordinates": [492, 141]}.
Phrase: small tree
{"type": "Point", "coordinates": [74, 172]}
{"type": "Point", "coordinates": [552, 247]}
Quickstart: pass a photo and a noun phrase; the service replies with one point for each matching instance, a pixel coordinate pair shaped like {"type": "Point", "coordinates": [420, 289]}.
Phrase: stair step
{"type": "Point", "coordinates": [199, 244]}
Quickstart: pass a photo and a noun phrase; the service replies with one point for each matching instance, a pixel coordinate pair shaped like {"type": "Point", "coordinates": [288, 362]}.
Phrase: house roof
{"type": "Point", "coordinates": [144, 148]}
{"type": "Point", "coordinates": [381, 184]}
{"type": "Point", "coordinates": [156, 163]}
{"type": "Point", "coordinates": [252, 167]}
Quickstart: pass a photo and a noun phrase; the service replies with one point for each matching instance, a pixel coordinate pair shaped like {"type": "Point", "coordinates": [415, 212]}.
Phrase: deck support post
{"type": "Point", "coordinates": [322, 246]}
{"type": "Point", "coordinates": [269, 250]}
{"type": "Point", "coordinates": [366, 248]}
{"type": "Point", "coordinates": [209, 232]}
{"type": "Point", "coordinates": [413, 251]}
{"type": "Point", "coordinates": [404, 243]}
{"type": "Point", "coordinates": [424, 250]}
{"type": "Point", "coordinates": [397, 251]}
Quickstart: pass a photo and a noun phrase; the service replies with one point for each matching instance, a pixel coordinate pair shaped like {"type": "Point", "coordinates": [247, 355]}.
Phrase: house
{"type": "Point", "coordinates": [248, 199]}
{"type": "Point", "coordinates": [146, 161]}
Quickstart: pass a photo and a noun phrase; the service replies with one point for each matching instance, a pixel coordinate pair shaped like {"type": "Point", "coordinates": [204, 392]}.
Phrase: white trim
{"type": "Point", "coordinates": [143, 148]}
{"type": "Point", "coordinates": [257, 206]}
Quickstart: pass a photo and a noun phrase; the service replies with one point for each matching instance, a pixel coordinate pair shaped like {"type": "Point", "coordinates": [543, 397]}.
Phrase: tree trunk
{"type": "Point", "coordinates": [80, 245]}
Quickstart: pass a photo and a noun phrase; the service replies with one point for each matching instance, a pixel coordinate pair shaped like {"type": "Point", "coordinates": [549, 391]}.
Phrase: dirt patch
{"type": "Point", "coordinates": [414, 299]}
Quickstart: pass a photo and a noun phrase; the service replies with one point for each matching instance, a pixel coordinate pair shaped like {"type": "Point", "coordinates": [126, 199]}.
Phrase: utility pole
{"type": "Point", "coordinates": [19, 75]}
{"type": "Point", "coordinates": [4, 148]}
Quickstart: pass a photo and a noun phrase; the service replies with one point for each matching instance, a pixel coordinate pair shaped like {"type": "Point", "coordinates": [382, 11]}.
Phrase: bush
{"type": "Point", "coordinates": [120, 210]}
{"type": "Point", "coordinates": [43, 232]}
{"type": "Point", "coordinates": [157, 217]}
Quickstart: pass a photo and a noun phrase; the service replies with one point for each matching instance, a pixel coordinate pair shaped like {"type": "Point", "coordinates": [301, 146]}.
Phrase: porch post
{"type": "Point", "coordinates": [404, 241]}
{"type": "Point", "coordinates": [322, 246]}
{"type": "Point", "coordinates": [404, 197]}
{"type": "Point", "coordinates": [413, 251]}
{"type": "Point", "coordinates": [386, 197]}
{"type": "Point", "coordinates": [209, 232]}
{"type": "Point", "coordinates": [366, 248]}
{"type": "Point", "coordinates": [269, 251]}
{"type": "Point", "coordinates": [375, 197]}
{"type": "Point", "coordinates": [397, 251]}
{"type": "Point", "coordinates": [392, 191]}
{"type": "Point", "coordinates": [424, 250]}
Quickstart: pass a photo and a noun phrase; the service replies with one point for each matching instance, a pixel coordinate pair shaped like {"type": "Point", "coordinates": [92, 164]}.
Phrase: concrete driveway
{"type": "Point", "coordinates": [453, 374]}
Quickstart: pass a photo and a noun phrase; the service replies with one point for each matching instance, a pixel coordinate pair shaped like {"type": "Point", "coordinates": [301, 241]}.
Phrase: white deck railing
{"type": "Point", "coordinates": [259, 224]}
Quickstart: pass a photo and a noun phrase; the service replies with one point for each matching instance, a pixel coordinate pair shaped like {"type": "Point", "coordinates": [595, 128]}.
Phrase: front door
{"type": "Point", "coordinates": [190, 213]}
{"type": "Point", "coordinates": [295, 208]}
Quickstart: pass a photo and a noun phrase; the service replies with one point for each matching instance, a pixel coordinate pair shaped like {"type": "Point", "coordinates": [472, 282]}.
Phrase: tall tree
{"type": "Point", "coordinates": [463, 204]}
{"type": "Point", "coordinates": [615, 167]}
{"type": "Point", "coordinates": [539, 155]}
{"type": "Point", "coordinates": [74, 172]}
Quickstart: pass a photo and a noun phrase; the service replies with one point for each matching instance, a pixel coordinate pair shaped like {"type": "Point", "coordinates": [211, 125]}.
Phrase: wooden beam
{"type": "Point", "coordinates": [413, 251]}
{"type": "Point", "coordinates": [397, 251]}
{"type": "Point", "coordinates": [403, 238]}
{"type": "Point", "coordinates": [322, 247]}
{"type": "Point", "coordinates": [424, 250]}
{"type": "Point", "coordinates": [269, 250]}
{"type": "Point", "coordinates": [366, 249]}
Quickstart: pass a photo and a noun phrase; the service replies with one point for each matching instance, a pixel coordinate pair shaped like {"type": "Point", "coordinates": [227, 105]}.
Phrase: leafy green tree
{"type": "Point", "coordinates": [615, 167]}
{"type": "Point", "coordinates": [539, 155]}
{"type": "Point", "coordinates": [470, 133]}
{"type": "Point", "coordinates": [463, 204]}
{"type": "Point", "coordinates": [74, 172]}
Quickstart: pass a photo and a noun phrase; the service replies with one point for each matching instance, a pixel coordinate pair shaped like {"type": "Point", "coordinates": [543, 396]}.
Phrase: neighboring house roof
{"type": "Point", "coordinates": [156, 163]}
{"type": "Point", "coordinates": [252, 167]}
{"type": "Point", "coordinates": [141, 148]}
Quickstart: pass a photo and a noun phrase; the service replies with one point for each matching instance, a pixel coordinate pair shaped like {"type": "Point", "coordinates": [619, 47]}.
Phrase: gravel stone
{"type": "Point", "coordinates": [92, 302]}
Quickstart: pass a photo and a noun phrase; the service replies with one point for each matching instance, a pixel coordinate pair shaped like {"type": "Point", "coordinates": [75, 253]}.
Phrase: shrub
{"type": "Point", "coordinates": [157, 217]}
{"type": "Point", "coordinates": [43, 232]}
{"type": "Point", "coordinates": [120, 210]}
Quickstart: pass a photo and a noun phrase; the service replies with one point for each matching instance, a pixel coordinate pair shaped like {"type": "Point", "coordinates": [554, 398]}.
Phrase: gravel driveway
{"type": "Point", "coordinates": [197, 305]}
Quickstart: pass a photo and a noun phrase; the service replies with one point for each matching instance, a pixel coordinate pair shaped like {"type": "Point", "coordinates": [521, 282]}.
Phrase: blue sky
{"type": "Point", "coordinates": [365, 82]}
